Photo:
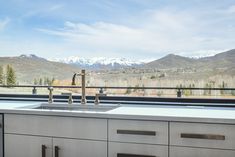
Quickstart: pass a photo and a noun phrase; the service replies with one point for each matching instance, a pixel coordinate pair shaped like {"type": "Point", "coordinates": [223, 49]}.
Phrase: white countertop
{"type": "Point", "coordinates": [137, 112]}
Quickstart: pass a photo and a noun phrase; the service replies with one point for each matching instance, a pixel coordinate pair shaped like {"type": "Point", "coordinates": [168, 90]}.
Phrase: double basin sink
{"type": "Point", "coordinates": [72, 107]}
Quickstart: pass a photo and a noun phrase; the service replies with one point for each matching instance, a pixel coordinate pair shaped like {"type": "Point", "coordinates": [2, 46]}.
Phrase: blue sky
{"type": "Point", "coordinates": [134, 29]}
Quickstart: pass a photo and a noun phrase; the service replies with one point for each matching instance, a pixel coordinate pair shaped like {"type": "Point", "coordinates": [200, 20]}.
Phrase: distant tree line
{"type": "Point", "coordinates": [209, 89]}
{"type": "Point", "coordinates": [7, 76]}
{"type": "Point", "coordinates": [44, 81]}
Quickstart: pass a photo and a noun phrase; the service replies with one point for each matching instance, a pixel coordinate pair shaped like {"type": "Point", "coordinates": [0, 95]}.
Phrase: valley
{"type": "Point", "coordinates": [170, 71]}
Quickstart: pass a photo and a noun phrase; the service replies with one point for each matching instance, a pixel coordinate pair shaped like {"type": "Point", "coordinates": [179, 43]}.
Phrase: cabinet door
{"type": "Point", "coordinates": [79, 148]}
{"type": "Point", "coordinates": [200, 152]}
{"type": "Point", "coordinates": [27, 146]}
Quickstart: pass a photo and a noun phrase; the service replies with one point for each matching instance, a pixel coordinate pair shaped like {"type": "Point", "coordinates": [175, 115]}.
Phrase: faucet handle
{"type": "Point", "coordinates": [50, 99]}
{"type": "Point", "coordinates": [50, 88]}
{"type": "Point", "coordinates": [70, 100]}
{"type": "Point", "coordinates": [97, 95]}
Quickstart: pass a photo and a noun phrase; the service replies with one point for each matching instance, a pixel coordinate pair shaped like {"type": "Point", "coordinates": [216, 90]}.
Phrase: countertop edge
{"type": "Point", "coordinates": [119, 116]}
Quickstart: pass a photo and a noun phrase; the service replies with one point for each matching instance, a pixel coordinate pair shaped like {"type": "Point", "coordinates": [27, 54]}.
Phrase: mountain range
{"type": "Point", "coordinates": [224, 60]}
{"type": "Point", "coordinates": [221, 60]}
{"type": "Point", "coordinates": [100, 63]}
{"type": "Point", "coordinates": [31, 66]}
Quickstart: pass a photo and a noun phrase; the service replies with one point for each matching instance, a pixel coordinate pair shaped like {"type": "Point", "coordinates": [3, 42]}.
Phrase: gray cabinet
{"type": "Point", "coordinates": [27, 146]}
{"type": "Point", "coordinates": [202, 140]}
{"type": "Point", "coordinates": [54, 136]}
{"type": "Point", "coordinates": [133, 138]}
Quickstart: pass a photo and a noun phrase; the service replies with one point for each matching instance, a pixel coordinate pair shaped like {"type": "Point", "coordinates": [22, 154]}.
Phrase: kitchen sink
{"type": "Point", "coordinates": [72, 107]}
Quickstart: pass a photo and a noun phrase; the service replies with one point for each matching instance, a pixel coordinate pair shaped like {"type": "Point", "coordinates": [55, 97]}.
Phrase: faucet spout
{"type": "Point", "coordinates": [74, 79]}
{"type": "Point", "coordinates": [83, 99]}
{"type": "Point", "coordinates": [83, 85]}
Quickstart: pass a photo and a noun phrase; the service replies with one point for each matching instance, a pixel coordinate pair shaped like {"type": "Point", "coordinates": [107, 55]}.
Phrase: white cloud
{"type": "Point", "coordinates": [45, 10]}
{"type": "Point", "coordinates": [13, 47]}
{"type": "Point", "coordinates": [155, 34]}
{"type": "Point", "coordinates": [56, 7]}
{"type": "Point", "coordinates": [3, 23]}
{"type": "Point", "coordinates": [231, 9]}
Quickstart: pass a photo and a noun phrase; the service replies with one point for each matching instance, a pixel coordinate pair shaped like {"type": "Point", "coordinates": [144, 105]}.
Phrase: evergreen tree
{"type": "Point", "coordinates": [40, 81]}
{"type": "Point", "coordinates": [35, 82]}
{"type": "Point", "coordinates": [46, 81]}
{"type": "Point", "coordinates": [52, 81]}
{"type": "Point", "coordinates": [223, 85]}
{"type": "Point", "coordinates": [1, 75]}
{"type": "Point", "coordinates": [10, 76]}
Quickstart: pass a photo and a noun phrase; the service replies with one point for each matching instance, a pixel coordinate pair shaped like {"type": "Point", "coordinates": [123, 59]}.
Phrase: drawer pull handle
{"type": "Point", "coordinates": [203, 136]}
{"type": "Point", "coordinates": [133, 155]}
{"type": "Point", "coordinates": [57, 151]}
{"type": "Point", "coordinates": [44, 150]}
{"type": "Point", "coordinates": [137, 132]}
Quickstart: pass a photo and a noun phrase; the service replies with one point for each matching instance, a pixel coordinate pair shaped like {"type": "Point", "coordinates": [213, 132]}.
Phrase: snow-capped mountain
{"type": "Point", "coordinates": [32, 56]}
{"type": "Point", "coordinates": [100, 62]}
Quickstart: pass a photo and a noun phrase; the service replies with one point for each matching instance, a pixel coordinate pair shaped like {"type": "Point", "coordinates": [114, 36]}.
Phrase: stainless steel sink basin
{"type": "Point", "coordinates": [67, 107]}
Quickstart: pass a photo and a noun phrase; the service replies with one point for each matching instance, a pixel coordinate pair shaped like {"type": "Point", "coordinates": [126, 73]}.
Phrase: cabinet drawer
{"type": "Point", "coordinates": [70, 127]}
{"type": "Point", "coordinates": [202, 135]}
{"type": "Point", "coordinates": [200, 152]}
{"type": "Point", "coordinates": [138, 131]}
{"type": "Point", "coordinates": [136, 150]}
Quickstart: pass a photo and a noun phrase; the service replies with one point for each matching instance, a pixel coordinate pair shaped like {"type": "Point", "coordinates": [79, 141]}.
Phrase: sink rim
{"type": "Point", "coordinates": [89, 107]}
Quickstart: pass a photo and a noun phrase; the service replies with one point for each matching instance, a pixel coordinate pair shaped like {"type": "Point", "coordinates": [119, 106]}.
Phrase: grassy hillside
{"type": "Point", "coordinates": [171, 61]}
{"type": "Point", "coordinates": [225, 60]}
{"type": "Point", "coordinates": [28, 68]}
